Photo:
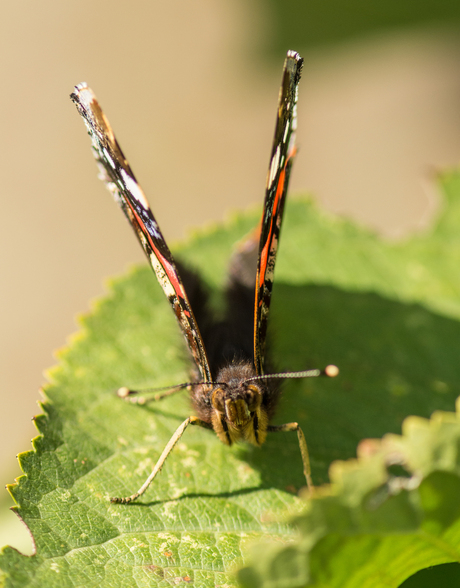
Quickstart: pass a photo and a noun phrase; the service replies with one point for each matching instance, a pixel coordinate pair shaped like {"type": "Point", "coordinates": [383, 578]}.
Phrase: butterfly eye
{"type": "Point", "coordinates": [218, 399]}
{"type": "Point", "coordinates": [253, 397]}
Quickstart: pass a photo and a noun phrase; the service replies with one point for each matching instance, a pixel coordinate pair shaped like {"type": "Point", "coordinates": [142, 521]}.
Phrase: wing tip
{"type": "Point", "coordinates": [82, 94]}
{"type": "Point", "coordinates": [294, 63]}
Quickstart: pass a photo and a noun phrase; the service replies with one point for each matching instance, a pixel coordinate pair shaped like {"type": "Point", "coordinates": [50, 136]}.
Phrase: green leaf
{"type": "Point", "coordinates": [376, 524]}
{"type": "Point", "coordinates": [386, 314]}
{"type": "Point", "coordinates": [319, 23]}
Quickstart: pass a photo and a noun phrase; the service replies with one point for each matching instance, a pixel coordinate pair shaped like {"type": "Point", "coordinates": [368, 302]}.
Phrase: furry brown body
{"type": "Point", "coordinates": [237, 409]}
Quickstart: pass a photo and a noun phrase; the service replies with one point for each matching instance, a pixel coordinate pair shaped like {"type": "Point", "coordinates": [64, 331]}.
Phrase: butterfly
{"type": "Point", "coordinates": [233, 391]}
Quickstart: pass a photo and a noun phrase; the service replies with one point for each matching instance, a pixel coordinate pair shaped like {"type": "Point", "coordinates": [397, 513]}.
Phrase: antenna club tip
{"type": "Point", "coordinates": [331, 371]}
{"type": "Point", "coordinates": [123, 392]}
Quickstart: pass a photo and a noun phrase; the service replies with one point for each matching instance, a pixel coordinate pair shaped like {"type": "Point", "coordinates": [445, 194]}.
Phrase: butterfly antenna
{"type": "Point", "coordinates": [133, 395]}
{"type": "Point", "coordinates": [330, 371]}
{"type": "Point", "coordinates": [158, 393]}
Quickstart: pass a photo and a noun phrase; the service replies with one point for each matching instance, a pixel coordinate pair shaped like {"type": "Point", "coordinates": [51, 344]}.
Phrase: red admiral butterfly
{"type": "Point", "coordinates": [231, 392]}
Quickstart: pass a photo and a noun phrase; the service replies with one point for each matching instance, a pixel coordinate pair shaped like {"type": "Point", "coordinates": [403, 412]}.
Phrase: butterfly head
{"type": "Point", "coordinates": [237, 405]}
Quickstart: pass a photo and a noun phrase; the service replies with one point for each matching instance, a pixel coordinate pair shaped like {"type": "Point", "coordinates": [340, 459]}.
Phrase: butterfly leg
{"type": "Point", "coordinates": [302, 445]}
{"type": "Point", "coordinates": [192, 420]}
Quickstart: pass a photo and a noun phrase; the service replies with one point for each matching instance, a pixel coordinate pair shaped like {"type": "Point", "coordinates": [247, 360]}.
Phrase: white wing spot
{"type": "Point", "coordinates": [108, 158]}
{"type": "Point", "coordinates": [135, 189]}
{"type": "Point", "coordinates": [274, 167]}
{"type": "Point", "coordinates": [286, 131]}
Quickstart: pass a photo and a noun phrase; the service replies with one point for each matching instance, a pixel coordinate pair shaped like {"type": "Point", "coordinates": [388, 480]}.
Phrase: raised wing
{"type": "Point", "coordinates": [283, 152]}
{"type": "Point", "coordinates": [120, 180]}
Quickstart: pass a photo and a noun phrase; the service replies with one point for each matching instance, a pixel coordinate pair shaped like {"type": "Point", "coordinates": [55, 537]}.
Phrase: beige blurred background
{"type": "Point", "coordinates": [192, 96]}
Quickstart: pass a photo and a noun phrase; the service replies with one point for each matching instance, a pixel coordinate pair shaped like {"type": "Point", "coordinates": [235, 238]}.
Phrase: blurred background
{"type": "Point", "coordinates": [191, 90]}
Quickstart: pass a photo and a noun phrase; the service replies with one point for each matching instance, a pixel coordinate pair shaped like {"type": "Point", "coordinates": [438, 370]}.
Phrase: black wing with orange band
{"type": "Point", "coordinates": [120, 180]}
{"type": "Point", "coordinates": [283, 152]}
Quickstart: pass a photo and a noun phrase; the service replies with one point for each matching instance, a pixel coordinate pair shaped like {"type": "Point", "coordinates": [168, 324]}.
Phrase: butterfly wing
{"type": "Point", "coordinates": [120, 180]}
{"type": "Point", "coordinates": [282, 155]}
